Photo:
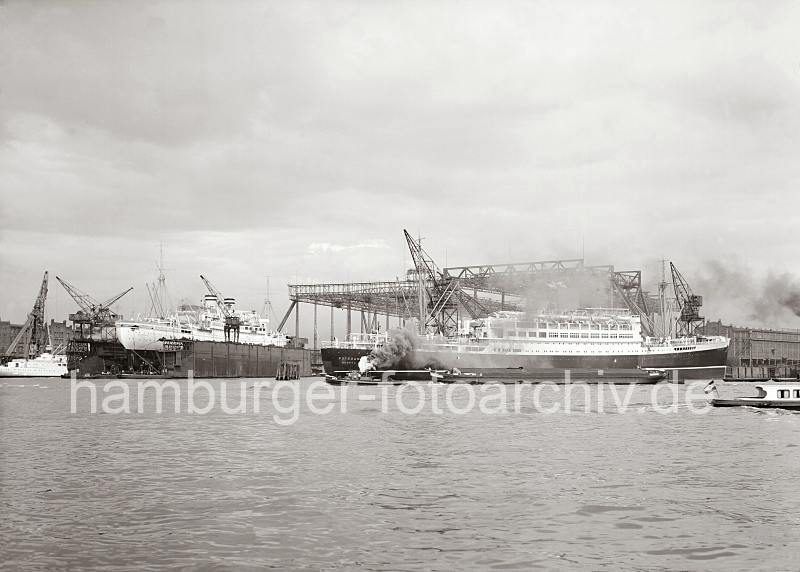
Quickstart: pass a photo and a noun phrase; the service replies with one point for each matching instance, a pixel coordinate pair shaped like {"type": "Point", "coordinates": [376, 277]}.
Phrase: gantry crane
{"type": "Point", "coordinates": [688, 304]}
{"type": "Point", "coordinates": [34, 331]}
{"type": "Point", "coordinates": [232, 321]}
{"type": "Point", "coordinates": [439, 294]}
{"type": "Point", "coordinates": [93, 316]}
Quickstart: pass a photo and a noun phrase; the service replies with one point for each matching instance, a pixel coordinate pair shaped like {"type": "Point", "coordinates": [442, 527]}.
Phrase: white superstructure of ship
{"type": "Point", "coordinates": [197, 323]}
{"type": "Point", "coordinates": [44, 365]}
{"type": "Point", "coordinates": [589, 338]}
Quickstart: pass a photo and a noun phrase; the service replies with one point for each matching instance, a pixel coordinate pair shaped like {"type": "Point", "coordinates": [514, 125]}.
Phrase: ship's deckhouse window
{"type": "Point", "coordinates": [542, 334]}
{"type": "Point", "coordinates": [797, 393]}
{"type": "Point", "coordinates": [783, 393]}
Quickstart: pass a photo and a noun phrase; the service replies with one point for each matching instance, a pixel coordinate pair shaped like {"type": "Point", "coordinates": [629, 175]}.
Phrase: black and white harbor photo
{"type": "Point", "coordinates": [383, 286]}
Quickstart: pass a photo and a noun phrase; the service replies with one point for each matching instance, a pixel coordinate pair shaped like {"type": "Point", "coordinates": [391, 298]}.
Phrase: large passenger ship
{"type": "Point", "coordinates": [197, 323]}
{"type": "Point", "coordinates": [598, 339]}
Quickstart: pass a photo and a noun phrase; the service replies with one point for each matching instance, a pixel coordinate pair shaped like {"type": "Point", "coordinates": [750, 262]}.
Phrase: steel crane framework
{"type": "Point", "coordinates": [94, 319]}
{"type": "Point", "coordinates": [436, 297]}
{"type": "Point", "coordinates": [33, 333]}
{"type": "Point", "coordinates": [232, 321]}
{"type": "Point", "coordinates": [689, 304]}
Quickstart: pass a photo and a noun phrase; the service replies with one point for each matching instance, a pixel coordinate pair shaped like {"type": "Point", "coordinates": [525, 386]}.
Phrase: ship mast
{"type": "Point", "coordinates": [662, 296]}
{"type": "Point", "coordinates": [269, 313]}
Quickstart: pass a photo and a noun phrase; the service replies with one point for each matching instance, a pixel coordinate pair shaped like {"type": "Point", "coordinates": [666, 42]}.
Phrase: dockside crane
{"type": "Point", "coordinates": [232, 321]}
{"type": "Point", "coordinates": [93, 315]}
{"type": "Point", "coordinates": [628, 285]}
{"type": "Point", "coordinates": [33, 333]}
{"type": "Point", "coordinates": [439, 294]}
{"type": "Point", "coordinates": [688, 302]}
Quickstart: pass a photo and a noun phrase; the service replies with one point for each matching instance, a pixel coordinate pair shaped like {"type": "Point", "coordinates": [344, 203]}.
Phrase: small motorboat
{"type": "Point", "coordinates": [455, 375]}
{"type": "Point", "coordinates": [656, 374]}
{"type": "Point", "coordinates": [383, 377]}
{"type": "Point", "coordinates": [776, 396]}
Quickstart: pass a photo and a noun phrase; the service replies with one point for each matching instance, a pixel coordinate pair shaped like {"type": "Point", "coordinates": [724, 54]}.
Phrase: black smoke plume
{"type": "Point", "coordinates": [397, 352]}
{"type": "Point", "coordinates": [782, 290]}
{"type": "Point", "coordinates": [744, 297]}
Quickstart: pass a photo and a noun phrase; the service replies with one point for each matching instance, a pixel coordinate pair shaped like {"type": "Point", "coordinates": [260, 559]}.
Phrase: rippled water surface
{"type": "Point", "coordinates": [592, 489]}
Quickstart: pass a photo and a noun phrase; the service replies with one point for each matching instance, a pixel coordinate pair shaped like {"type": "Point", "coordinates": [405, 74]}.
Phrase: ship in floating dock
{"type": "Point", "coordinates": [213, 339]}
{"type": "Point", "coordinates": [204, 323]}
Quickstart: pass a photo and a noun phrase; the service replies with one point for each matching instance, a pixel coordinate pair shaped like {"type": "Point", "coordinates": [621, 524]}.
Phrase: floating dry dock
{"type": "Point", "coordinates": [203, 358]}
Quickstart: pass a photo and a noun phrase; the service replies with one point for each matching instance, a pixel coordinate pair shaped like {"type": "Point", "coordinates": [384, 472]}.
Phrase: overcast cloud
{"type": "Point", "coordinates": [297, 139]}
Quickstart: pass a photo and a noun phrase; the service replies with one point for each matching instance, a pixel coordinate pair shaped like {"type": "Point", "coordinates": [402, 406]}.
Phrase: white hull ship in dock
{"type": "Point", "coordinates": [515, 344]}
{"type": "Point", "coordinates": [193, 323]}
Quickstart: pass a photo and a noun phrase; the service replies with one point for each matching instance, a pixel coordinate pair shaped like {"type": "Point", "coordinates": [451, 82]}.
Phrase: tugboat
{"type": "Point", "coordinates": [774, 396]}
{"type": "Point", "coordinates": [383, 377]}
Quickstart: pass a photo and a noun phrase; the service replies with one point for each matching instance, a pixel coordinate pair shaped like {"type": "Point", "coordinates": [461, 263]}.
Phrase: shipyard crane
{"type": "Point", "coordinates": [232, 321]}
{"type": "Point", "coordinates": [33, 333]}
{"type": "Point", "coordinates": [688, 304]}
{"type": "Point", "coordinates": [439, 294]}
{"type": "Point", "coordinates": [628, 285]}
{"type": "Point", "coordinates": [92, 314]}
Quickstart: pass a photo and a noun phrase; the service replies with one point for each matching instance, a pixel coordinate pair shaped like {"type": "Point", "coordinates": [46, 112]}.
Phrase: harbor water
{"type": "Point", "coordinates": [378, 488]}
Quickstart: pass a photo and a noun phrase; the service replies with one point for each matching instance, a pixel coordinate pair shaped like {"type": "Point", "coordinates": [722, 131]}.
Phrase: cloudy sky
{"type": "Point", "coordinates": [297, 139]}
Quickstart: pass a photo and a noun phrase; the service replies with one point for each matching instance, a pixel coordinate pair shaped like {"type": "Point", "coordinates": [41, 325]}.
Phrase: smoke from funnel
{"type": "Point", "coordinates": [782, 290]}
{"type": "Point", "coordinates": [364, 365]}
{"type": "Point", "coordinates": [740, 296]}
{"type": "Point", "coordinates": [566, 291]}
{"type": "Point", "coordinates": [396, 352]}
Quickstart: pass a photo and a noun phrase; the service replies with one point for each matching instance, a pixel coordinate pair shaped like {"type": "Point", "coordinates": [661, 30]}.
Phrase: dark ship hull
{"type": "Point", "coordinates": [697, 364]}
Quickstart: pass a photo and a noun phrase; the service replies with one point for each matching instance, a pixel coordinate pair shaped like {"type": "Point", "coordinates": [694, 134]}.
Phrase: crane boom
{"type": "Point", "coordinates": [688, 302]}
{"type": "Point", "coordinates": [217, 295]}
{"type": "Point", "coordinates": [34, 330]}
{"type": "Point", "coordinates": [93, 316]}
{"type": "Point", "coordinates": [232, 321]}
{"type": "Point", "coordinates": [113, 299]}
{"type": "Point", "coordinates": [84, 301]}
{"type": "Point", "coordinates": [439, 294]}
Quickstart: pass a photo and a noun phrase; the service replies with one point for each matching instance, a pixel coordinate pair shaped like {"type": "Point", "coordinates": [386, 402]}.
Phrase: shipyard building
{"type": "Point", "coordinates": [60, 335]}
{"type": "Point", "coordinates": [759, 352]}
